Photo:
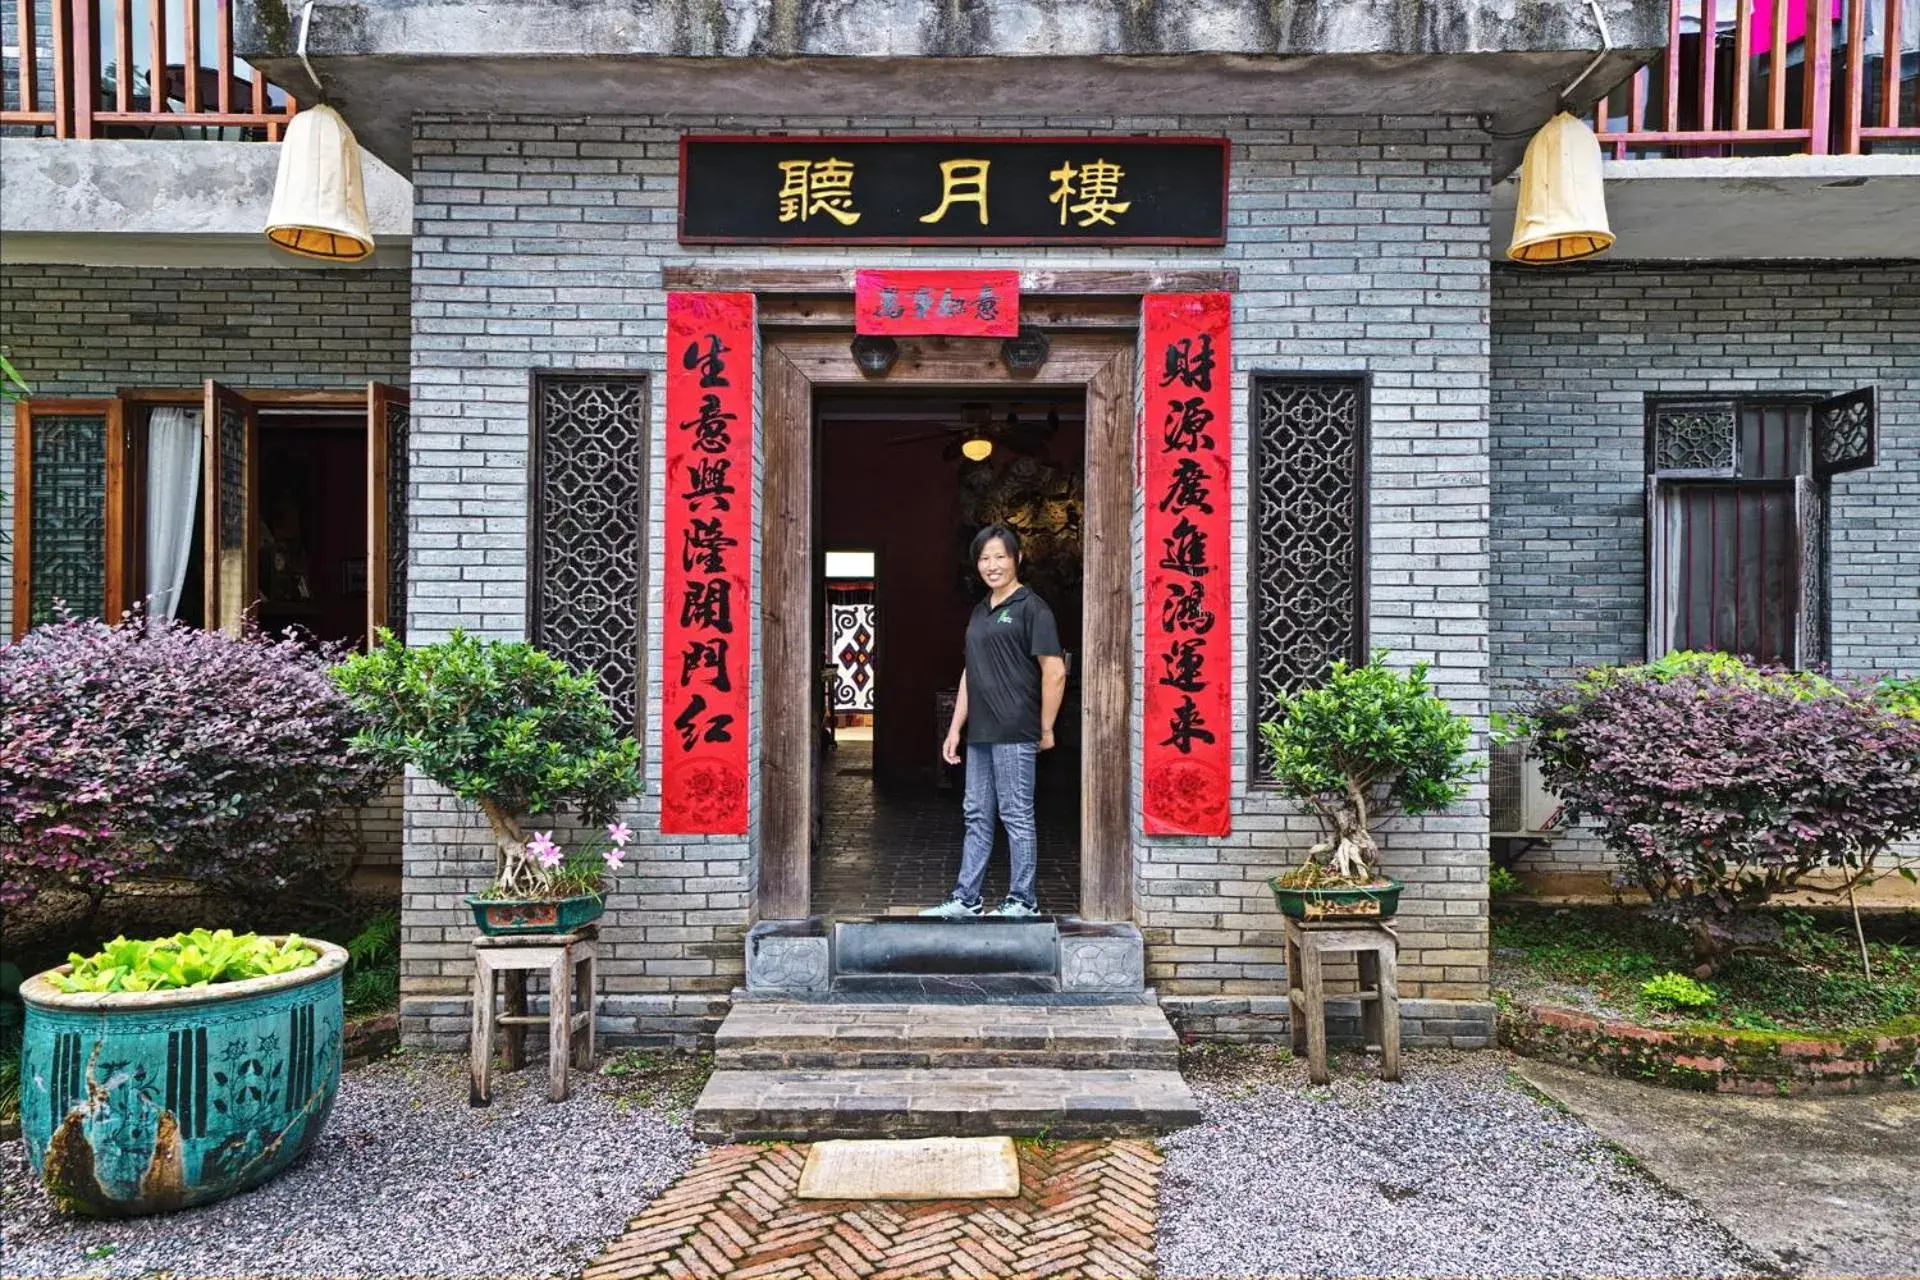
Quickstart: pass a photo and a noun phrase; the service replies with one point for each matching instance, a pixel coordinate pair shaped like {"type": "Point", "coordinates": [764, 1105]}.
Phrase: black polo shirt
{"type": "Point", "coordinates": [1003, 678]}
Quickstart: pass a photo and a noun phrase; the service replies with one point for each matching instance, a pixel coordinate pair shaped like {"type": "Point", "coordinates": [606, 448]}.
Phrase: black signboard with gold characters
{"type": "Point", "coordinates": [904, 190]}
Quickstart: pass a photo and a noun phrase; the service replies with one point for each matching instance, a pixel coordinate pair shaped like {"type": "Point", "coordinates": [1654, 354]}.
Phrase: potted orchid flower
{"type": "Point", "coordinates": [513, 731]}
{"type": "Point", "coordinates": [562, 890]}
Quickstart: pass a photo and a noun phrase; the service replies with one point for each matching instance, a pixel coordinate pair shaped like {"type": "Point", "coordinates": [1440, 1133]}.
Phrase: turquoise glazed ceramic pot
{"type": "Point", "coordinates": [144, 1101]}
{"type": "Point", "coordinates": [498, 917]}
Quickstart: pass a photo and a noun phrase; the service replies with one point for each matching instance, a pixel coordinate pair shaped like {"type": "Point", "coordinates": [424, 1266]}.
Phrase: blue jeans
{"type": "Point", "coordinates": [999, 782]}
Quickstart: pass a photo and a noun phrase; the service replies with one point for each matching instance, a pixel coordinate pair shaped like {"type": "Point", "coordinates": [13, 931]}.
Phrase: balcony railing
{"type": "Point", "coordinates": [133, 69]}
{"type": "Point", "coordinates": [1738, 77]}
{"type": "Point", "coordinates": [1773, 77]}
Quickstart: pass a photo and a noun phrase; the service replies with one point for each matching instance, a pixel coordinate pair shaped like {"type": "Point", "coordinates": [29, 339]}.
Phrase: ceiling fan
{"type": "Point", "coordinates": [978, 434]}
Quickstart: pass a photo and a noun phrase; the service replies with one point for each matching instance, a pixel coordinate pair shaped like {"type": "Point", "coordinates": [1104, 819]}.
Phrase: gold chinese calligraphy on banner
{"type": "Point", "coordinates": [962, 190]}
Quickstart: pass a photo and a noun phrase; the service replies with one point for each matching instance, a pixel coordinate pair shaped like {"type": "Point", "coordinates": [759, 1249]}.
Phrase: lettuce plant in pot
{"type": "Point", "coordinates": [512, 730]}
{"type": "Point", "coordinates": [1367, 746]}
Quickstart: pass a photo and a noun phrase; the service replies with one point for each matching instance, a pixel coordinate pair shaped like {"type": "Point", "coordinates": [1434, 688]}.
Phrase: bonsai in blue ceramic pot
{"type": "Point", "coordinates": [139, 1102]}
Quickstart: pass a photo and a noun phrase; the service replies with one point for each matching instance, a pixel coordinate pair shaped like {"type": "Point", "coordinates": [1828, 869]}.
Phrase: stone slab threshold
{"type": "Point", "coordinates": [911, 1169]}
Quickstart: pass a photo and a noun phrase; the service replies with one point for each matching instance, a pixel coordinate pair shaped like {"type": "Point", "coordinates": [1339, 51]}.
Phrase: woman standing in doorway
{"type": "Point", "coordinates": [1010, 691]}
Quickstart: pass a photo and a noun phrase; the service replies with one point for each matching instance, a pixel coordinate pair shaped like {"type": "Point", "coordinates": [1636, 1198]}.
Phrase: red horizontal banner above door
{"type": "Point", "coordinates": [706, 632]}
{"type": "Point", "coordinates": [1187, 438]}
{"type": "Point", "coordinates": [967, 304]}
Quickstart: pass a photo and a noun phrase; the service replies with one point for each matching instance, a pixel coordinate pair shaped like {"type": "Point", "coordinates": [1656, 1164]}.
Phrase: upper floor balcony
{"type": "Point", "coordinates": [144, 69]}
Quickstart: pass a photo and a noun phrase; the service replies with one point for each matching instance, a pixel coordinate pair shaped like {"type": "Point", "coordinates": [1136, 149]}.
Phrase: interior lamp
{"type": "Point", "coordinates": [1561, 214]}
{"type": "Point", "coordinates": [976, 449]}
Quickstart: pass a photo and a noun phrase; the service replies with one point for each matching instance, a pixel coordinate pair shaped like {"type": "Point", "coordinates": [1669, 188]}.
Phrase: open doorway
{"type": "Point", "coordinates": [904, 482]}
{"type": "Point", "coordinates": [311, 550]}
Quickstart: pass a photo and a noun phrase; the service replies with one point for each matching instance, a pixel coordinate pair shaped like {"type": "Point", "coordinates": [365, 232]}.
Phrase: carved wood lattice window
{"type": "Point", "coordinates": [399, 415]}
{"type": "Point", "coordinates": [589, 482]}
{"type": "Point", "coordinates": [1308, 546]}
{"type": "Point", "coordinates": [69, 504]}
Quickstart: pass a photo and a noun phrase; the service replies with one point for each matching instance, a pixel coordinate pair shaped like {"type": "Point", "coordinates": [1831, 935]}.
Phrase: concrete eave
{"type": "Point", "coordinates": [1752, 209]}
{"type": "Point", "coordinates": [166, 204]}
{"type": "Point", "coordinates": [385, 62]}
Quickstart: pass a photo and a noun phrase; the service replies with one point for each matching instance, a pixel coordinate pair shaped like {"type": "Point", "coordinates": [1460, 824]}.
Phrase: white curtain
{"type": "Point", "coordinates": [173, 482]}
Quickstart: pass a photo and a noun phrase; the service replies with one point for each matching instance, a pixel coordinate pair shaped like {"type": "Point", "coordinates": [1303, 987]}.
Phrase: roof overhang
{"type": "Point", "coordinates": [1758, 208]}
{"type": "Point", "coordinates": [387, 62]}
{"type": "Point", "coordinates": [105, 202]}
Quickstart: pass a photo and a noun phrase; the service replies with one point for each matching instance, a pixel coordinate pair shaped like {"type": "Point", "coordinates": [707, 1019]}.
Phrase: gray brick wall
{"type": "Point", "coordinates": [1361, 248]}
{"type": "Point", "coordinates": [91, 331]}
{"type": "Point", "coordinates": [1575, 354]}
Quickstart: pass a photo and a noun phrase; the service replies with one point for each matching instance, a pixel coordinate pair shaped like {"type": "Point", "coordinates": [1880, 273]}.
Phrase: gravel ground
{"type": "Point", "coordinates": [405, 1180]}
{"type": "Point", "coordinates": [1455, 1170]}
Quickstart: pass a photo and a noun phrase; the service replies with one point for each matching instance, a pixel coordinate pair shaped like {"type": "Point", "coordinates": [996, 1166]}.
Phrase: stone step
{"type": "Point", "coordinates": [770, 1035]}
{"type": "Point", "coordinates": [914, 1102]}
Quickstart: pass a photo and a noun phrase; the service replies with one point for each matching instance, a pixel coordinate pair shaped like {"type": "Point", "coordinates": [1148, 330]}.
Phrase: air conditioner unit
{"type": "Point", "coordinates": [1521, 805]}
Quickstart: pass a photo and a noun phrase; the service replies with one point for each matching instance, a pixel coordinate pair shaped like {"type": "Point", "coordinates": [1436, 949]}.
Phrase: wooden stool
{"type": "Point", "coordinates": [1378, 953]}
{"type": "Point", "coordinates": [571, 963]}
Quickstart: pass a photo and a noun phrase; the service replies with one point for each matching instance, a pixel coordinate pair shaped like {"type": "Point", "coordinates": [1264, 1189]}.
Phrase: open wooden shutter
{"type": "Point", "coordinates": [232, 430]}
{"type": "Point", "coordinates": [1846, 433]}
{"type": "Point", "coordinates": [71, 544]}
{"type": "Point", "coordinates": [1810, 618]}
{"type": "Point", "coordinates": [1659, 557]}
{"type": "Point", "coordinates": [387, 420]}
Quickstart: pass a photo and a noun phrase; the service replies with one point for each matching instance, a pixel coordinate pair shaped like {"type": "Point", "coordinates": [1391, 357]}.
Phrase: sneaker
{"type": "Point", "coordinates": [954, 909]}
{"type": "Point", "coordinates": [1014, 909]}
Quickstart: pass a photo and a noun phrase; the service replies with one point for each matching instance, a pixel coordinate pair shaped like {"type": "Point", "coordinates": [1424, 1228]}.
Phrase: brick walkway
{"type": "Point", "coordinates": [1085, 1209]}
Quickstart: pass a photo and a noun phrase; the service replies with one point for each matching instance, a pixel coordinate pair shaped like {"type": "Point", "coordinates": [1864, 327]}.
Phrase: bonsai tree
{"type": "Point", "coordinates": [1368, 745]}
{"type": "Point", "coordinates": [510, 729]}
{"type": "Point", "coordinates": [152, 746]}
{"type": "Point", "coordinates": [1720, 784]}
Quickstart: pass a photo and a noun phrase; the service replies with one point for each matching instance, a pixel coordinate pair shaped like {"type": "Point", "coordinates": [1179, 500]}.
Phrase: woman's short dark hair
{"type": "Point", "coordinates": [1007, 538]}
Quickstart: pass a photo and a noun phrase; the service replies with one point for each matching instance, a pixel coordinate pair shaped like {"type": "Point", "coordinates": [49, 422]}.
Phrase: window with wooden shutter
{"type": "Point", "coordinates": [70, 547]}
{"type": "Point", "coordinates": [1737, 522]}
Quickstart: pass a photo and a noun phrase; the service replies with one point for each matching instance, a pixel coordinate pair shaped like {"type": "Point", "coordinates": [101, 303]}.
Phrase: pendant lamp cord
{"type": "Point", "coordinates": [1606, 47]}
{"type": "Point", "coordinates": [306, 24]}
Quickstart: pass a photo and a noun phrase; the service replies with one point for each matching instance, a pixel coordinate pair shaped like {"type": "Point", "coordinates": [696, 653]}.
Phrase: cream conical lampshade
{"type": "Point", "coordinates": [319, 205]}
{"type": "Point", "coordinates": [1561, 215]}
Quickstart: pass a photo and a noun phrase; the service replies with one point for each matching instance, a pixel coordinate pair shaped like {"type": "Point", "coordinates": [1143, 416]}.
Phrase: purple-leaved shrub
{"type": "Point", "coordinates": [1719, 784]}
{"type": "Point", "coordinates": [156, 747]}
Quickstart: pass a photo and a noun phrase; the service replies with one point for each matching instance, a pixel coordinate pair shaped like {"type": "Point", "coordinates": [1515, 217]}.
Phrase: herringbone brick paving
{"type": "Point", "coordinates": [1085, 1209]}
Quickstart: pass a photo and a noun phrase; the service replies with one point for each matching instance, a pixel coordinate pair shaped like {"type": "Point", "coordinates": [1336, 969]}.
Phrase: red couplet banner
{"type": "Point", "coordinates": [1186, 436]}
{"type": "Point", "coordinates": [706, 632]}
{"type": "Point", "coordinates": [983, 304]}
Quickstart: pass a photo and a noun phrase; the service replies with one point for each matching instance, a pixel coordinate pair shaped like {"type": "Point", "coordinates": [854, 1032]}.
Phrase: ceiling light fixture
{"type": "Point", "coordinates": [977, 449]}
{"type": "Point", "coordinates": [319, 207]}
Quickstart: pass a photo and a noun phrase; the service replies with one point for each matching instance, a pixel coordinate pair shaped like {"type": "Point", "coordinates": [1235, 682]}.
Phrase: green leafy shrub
{"type": "Point", "coordinates": [1501, 882]}
{"type": "Point", "coordinates": [1368, 745]}
{"type": "Point", "coordinates": [195, 959]}
{"type": "Point", "coordinates": [504, 726]}
{"type": "Point", "coordinates": [1676, 992]}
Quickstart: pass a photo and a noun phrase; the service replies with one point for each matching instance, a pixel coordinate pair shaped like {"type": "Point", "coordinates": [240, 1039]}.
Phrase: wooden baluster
{"type": "Point", "coordinates": [1742, 61]}
{"type": "Point", "coordinates": [191, 34]}
{"type": "Point", "coordinates": [83, 57]}
{"type": "Point", "coordinates": [1819, 75]}
{"type": "Point", "coordinates": [1637, 110]}
{"type": "Point", "coordinates": [123, 55]}
{"type": "Point", "coordinates": [157, 55]}
{"type": "Point", "coordinates": [1777, 69]}
{"type": "Point", "coordinates": [62, 76]}
{"type": "Point", "coordinates": [223, 53]}
{"type": "Point", "coordinates": [1709, 44]}
{"type": "Point", "coordinates": [1854, 101]}
{"type": "Point", "coordinates": [29, 58]}
{"type": "Point", "coordinates": [1890, 68]}
{"type": "Point", "coordinates": [1673, 66]}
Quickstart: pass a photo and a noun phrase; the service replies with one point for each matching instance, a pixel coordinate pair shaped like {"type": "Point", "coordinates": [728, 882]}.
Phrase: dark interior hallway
{"type": "Point", "coordinates": [893, 851]}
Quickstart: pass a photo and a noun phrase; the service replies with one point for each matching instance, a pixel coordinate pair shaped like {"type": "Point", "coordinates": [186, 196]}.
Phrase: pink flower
{"type": "Point", "coordinates": [619, 833]}
{"type": "Point", "coordinates": [614, 857]}
{"type": "Point", "coordinates": [544, 851]}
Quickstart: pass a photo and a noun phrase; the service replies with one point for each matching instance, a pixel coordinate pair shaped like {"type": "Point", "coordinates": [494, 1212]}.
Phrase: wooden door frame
{"type": "Point", "coordinates": [796, 362]}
